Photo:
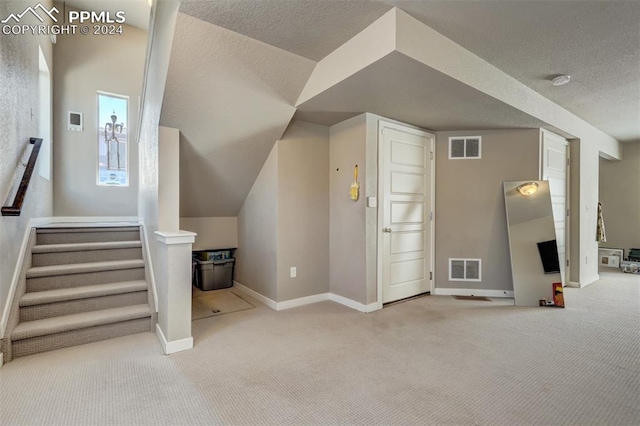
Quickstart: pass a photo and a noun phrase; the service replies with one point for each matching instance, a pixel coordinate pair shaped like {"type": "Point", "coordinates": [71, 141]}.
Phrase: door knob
{"type": "Point", "coordinates": [387, 230]}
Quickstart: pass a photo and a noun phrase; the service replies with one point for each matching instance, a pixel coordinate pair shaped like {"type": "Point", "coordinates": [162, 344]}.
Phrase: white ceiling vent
{"type": "Point", "coordinates": [465, 147]}
{"type": "Point", "coordinates": [465, 269]}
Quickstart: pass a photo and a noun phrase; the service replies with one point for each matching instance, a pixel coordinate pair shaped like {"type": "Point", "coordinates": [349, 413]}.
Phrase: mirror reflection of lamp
{"type": "Point", "coordinates": [109, 139]}
{"type": "Point", "coordinates": [528, 188]}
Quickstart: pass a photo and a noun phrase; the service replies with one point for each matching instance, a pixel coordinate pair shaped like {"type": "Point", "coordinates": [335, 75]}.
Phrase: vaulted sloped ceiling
{"type": "Point", "coordinates": [232, 98]}
{"type": "Point", "coordinates": [596, 42]}
{"type": "Point", "coordinates": [241, 69]}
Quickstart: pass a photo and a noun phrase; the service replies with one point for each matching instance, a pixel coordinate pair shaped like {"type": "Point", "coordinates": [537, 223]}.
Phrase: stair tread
{"type": "Point", "coordinates": [43, 327]}
{"type": "Point", "coordinates": [67, 247]}
{"type": "Point", "coordinates": [70, 229]}
{"type": "Point", "coordinates": [84, 292]}
{"type": "Point", "coordinates": [78, 268]}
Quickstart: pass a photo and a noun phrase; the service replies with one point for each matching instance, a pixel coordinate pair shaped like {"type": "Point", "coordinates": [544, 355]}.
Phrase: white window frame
{"type": "Point", "coordinates": [128, 99]}
{"type": "Point", "coordinates": [452, 259]}
{"type": "Point", "coordinates": [465, 138]}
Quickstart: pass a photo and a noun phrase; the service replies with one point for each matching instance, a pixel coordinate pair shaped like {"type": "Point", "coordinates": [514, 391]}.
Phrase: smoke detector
{"type": "Point", "coordinates": [561, 80]}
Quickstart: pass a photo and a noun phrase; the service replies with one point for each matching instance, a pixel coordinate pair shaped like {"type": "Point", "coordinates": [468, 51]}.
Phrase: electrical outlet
{"type": "Point", "coordinates": [294, 272]}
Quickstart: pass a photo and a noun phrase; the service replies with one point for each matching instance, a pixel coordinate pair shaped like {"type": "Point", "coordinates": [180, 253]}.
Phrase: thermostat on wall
{"type": "Point", "coordinates": [75, 121]}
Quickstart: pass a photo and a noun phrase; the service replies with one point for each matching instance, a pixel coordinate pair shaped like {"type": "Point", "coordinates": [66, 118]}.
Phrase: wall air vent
{"type": "Point", "coordinates": [465, 147]}
{"type": "Point", "coordinates": [465, 269]}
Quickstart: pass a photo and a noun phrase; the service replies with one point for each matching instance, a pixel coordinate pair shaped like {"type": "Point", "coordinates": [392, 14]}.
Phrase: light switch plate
{"type": "Point", "coordinates": [372, 202]}
{"type": "Point", "coordinates": [294, 272]}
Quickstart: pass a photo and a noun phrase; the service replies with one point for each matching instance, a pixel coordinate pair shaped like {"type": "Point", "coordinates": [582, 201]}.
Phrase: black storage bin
{"type": "Point", "coordinates": [214, 274]}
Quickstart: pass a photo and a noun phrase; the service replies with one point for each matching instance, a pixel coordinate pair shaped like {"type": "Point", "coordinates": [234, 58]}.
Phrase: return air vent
{"type": "Point", "coordinates": [465, 147]}
{"type": "Point", "coordinates": [465, 269]}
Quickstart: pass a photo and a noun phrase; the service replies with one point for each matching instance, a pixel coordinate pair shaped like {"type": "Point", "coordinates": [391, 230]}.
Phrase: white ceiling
{"type": "Point", "coordinates": [597, 42]}
{"type": "Point", "coordinates": [231, 101]}
{"type": "Point", "coordinates": [404, 89]}
{"type": "Point", "coordinates": [309, 28]}
{"type": "Point", "coordinates": [137, 11]}
{"type": "Point", "coordinates": [238, 67]}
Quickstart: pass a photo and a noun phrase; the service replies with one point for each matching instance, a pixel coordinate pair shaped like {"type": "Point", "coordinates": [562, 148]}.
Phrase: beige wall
{"type": "Point", "coordinates": [619, 182]}
{"type": "Point", "coordinates": [347, 244]}
{"type": "Point", "coordinates": [86, 64]}
{"type": "Point", "coordinates": [18, 98]}
{"type": "Point", "coordinates": [303, 211]}
{"type": "Point", "coordinates": [470, 212]}
{"type": "Point", "coordinates": [213, 232]}
{"type": "Point", "coordinates": [232, 98]}
{"type": "Point", "coordinates": [256, 257]}
{"type": "Point", "coordinates": [284, 221]}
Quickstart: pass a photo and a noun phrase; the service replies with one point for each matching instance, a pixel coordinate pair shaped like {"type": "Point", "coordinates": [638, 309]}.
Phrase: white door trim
{"type": "Point", "coordinates": [398, 127]}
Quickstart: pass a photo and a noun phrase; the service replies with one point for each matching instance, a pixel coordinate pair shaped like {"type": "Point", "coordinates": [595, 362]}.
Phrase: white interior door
{"type": "Point", "coordinates": [405, 218]}
{"type": "Point", "coordinates": [554, 165]}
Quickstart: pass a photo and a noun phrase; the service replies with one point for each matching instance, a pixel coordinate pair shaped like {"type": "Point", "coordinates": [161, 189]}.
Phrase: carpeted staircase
{"type": "Point", "coordinates": [84, 285]}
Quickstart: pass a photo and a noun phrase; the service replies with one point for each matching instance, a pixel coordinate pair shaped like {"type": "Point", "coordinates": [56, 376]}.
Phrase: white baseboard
{"type": "Point", "coordinates": [95, 219]}
{"type": "Point", "coordinates": [308, 300]}
{"type": "Point", "coordinates": [353, 304]}
{"type": "Point", "coordinates": [1, 359]}
{"type": "Point", "coordinates": [301, 301]}
{"type": "Point", "coordinates": [174, 346]}
{"type": "Point", "coordinates": [146, 255]}
{"type": "Point", "coordinates": [16, 276]}
{"type": "Point", "coordinates": [473, 292]}
{"type": "Point", "coordinates": [573, 284]}
{"type": "Point", "coordinates": [40, 221]}
{"type": "Point", "coordinates": [260, 298]}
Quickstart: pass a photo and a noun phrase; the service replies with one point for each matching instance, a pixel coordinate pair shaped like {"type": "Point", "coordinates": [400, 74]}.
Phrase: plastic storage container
{"type": "Point", "coordinates": [213, 255]}
{"type": "Point", "coordinates": [214, 274]}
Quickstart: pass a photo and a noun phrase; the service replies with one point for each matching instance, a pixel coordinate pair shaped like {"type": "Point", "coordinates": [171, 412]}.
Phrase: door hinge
{"type": "Point", "coordinates": [567, 263]}
{"type": "Point", "coordinates": [382, 131]}
{"type": "Point", "coordinates": [430, 276]}
{"type": "Point", "coordinates": [567, 212]}
{"type": "Point", "coordinates": [431, 216]}
{"type": "Point", "coordinates": [432, 155]}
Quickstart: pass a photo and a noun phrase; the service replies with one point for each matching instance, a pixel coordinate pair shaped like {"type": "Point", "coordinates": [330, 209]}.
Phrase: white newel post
{"type": "Point", "coordinates": [173, 282]}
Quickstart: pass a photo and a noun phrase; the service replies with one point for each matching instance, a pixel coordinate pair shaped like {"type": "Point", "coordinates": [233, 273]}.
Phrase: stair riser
{"type": "Point", "coordinates": [86, 237]}
{"type": "Point", "coordinates": [90, 278]}
{"type": "Point", "coordinates": [67, 339]}
{"type": "Point", "coordinates": [68, 258]}
{"type": "Point", "coordinates": [50, 310]}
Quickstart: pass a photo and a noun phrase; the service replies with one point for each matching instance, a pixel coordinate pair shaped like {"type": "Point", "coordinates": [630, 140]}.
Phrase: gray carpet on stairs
{"type": "Point", "coordinates": [429, 361]}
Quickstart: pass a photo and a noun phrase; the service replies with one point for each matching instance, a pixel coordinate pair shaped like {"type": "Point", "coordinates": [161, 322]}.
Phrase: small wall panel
{"type": "Point", "coordinates": [406, 271]}
{"type": "Point", "coordinates": [407, 213]}
{"type": "Point", "coordinates": [405, 242]}
{"type": "Point", "coordinates": [407, 154]}
{"type": "Point", "coordinates": [407, 183]}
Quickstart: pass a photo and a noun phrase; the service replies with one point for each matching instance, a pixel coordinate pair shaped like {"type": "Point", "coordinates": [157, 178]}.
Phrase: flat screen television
{"type": "Point", "coordinates": [549, 256]}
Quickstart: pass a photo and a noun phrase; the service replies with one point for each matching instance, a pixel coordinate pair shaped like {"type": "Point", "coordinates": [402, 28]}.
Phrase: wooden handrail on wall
{"type": "Point", "coordinates": [16, 208]}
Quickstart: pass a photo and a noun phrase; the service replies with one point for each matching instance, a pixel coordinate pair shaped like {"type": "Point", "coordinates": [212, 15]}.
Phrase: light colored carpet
{"type": "Point", "coordinates": [207, 304]}
{"type": "Point", "coordinates": [429, 361]}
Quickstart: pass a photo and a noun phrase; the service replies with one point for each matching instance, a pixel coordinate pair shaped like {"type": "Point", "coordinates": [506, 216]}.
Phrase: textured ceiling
{"type": "Point", "coordinates": [596, 42]}
{"type": "Point", "coordinates": [404, 89]}
{"type": "Point", "coordinates": [137, 11]}
{"type": "Point", "coordinates": [231, 101]}
{"type": "Point", "coordinates": [309, 28]}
